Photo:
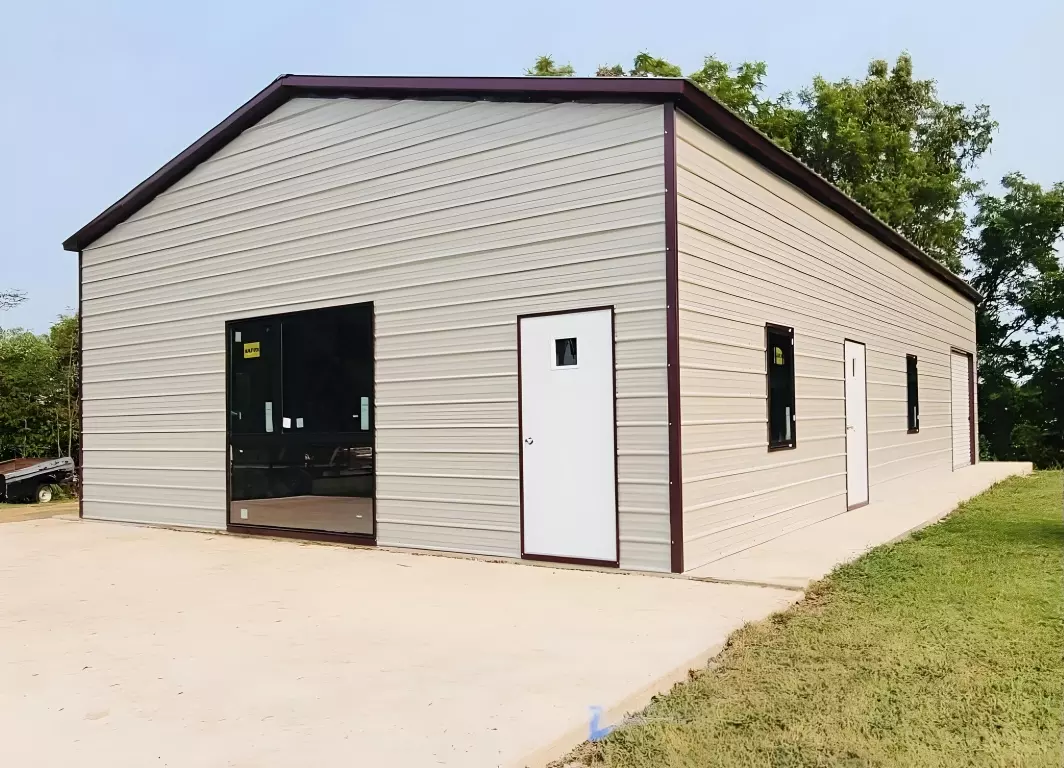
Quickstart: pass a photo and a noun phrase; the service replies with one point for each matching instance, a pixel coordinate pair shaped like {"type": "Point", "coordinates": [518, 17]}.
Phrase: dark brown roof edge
{"type": "Point", "coordinates": [713, 115]}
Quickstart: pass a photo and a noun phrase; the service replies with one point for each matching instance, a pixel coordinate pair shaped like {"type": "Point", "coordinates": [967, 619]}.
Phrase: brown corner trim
{"type": "Point", "coordinates": [521, 446]}
{"type": "Point", "coordinates": [302, 534]}
{"type": "Point", "coordinates": [672, 343]}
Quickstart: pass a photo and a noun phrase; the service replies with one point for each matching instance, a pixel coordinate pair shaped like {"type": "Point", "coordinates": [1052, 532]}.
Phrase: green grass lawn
{"type": "Point", "coordinates": [942, 650]}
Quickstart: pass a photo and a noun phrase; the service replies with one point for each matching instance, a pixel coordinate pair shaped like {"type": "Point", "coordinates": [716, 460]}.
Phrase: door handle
{"type": "Point", "coordinates": [528, 441]}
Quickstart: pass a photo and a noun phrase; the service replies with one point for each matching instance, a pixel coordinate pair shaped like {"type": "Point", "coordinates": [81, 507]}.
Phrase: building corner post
{"type": "Point", "coordinates": [672, 342]}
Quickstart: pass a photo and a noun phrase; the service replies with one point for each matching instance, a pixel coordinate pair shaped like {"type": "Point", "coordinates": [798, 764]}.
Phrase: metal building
{"type": "Point", "coordinates": [585, 320]}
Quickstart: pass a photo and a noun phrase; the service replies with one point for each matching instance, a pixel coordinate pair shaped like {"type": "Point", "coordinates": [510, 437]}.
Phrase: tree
{"type": "Point", "coordinates": [39, 379]}
{"type": "Point", "coordinates": [644, 65]}
{"type": "Point", "coordinates": [545, 67]}
{"type": "Point", "coordinates": [886, 140]}
{"type": "Point", "coordinates": [27, 376]}
{"type": "Point", "coordinates": [11, 299]}
{"type": "Point", "coordinates": [63, 338]}
{"type": "Point", "coordinates": [1017, 268]}
{"type": "Point", "coordinates": [890, 143]}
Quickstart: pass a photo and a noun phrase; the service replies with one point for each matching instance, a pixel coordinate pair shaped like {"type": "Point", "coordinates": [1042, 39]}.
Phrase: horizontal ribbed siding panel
{"type": "Point", "coordinates": [155, 508]}
{"type": "Point", "coordinates": [754, 250]}
{"type": "Point", "coordinates": [159, 405]}
{"type": "Point", "coordinates": [453, 218]}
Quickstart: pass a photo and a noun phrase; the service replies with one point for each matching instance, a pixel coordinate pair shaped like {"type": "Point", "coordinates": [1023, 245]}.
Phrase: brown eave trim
{"type": "Point", "coordinates": [672, 344]}
{"type": "Point", "coordinates": [260, 105]}
{"type": "Point", "coordinates": [711, 114]}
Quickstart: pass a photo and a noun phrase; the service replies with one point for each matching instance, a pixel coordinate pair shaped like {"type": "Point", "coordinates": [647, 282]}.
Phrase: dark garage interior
{"type": "Point", "coordinates": [300, 402]}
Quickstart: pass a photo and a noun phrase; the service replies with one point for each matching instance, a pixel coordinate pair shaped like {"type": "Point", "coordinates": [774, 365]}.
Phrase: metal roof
{"type": "Point", "coordinates": [684, 94]}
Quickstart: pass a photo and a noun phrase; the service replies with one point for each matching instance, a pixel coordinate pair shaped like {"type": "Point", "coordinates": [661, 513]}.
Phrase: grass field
{"type": "Point", "coordinates": [941, 650]}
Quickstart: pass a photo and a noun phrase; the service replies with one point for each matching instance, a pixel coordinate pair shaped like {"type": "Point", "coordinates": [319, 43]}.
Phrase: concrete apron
{"type": "Point", "coordinates": [127, 644]}
{"type": "Point", "coordinates": [796, 559]}
{"type": "Point", "coordinates": [130, 646]}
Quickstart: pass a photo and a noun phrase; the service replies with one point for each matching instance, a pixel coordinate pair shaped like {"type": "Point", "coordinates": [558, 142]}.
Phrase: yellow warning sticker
{"type": "Point", "coordinates": [251, 349]}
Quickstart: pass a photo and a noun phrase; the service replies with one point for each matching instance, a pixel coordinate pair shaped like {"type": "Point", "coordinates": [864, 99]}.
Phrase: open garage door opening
{"type": "Point", "coordinates": [300, 437]}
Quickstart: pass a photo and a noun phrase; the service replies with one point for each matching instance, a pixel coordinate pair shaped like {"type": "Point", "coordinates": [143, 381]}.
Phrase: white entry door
{"type": "Point", "coordinates": [856, 426]}
{"type": "Point", "coordinates": [568, 469]}
{"type": "Point", "coordinates": [960, 408]}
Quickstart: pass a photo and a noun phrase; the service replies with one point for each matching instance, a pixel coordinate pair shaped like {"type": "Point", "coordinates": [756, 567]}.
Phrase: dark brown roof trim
{"type": "Point", "coordinates": [684, 94]}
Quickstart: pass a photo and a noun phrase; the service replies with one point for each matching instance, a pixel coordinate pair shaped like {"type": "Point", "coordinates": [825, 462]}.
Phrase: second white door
{"type": "Point", "coordinates": [960, 409]}
{"type": "Point", "coordinates": [568, 469]}
{"type": "Point", "coordinates": [856, 426]}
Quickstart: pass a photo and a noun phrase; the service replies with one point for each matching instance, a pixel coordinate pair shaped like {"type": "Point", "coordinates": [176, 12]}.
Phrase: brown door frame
{"type": "Point", "coordinates": [616, 562]}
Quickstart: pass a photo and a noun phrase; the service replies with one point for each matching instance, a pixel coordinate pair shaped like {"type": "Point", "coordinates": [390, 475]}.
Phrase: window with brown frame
{"type": "Point", "coordinates": [780, 367]}
{"type": "Point", "coordinates": [913, 399]}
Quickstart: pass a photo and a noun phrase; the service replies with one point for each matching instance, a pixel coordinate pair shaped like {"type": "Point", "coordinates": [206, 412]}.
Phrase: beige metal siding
{"type": "Point", "coordinates": [756, 250]}
{"type": "Point", "coordinates": [453, 218]}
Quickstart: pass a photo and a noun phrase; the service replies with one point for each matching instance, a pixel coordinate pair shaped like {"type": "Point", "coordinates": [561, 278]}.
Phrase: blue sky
{"type": "Point", "coordinates": [98, 95]}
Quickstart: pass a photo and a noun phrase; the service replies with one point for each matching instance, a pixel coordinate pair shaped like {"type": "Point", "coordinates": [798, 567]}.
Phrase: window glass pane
{"type": "Point", "coordinates": [318, 483]}
{"type": "Point", "coordinates": [254, 381]}
{"type": "Point", "coordinates": [564, 352]}
{"type": "Point", "coordinates": [913, 387]}
{"type": "Point", "coordinates": [780, 361]}
{"type": "Point", "coordinates": [328, 369]}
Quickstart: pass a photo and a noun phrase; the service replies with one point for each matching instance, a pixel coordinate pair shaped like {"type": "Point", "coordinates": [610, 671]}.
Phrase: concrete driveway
{"type": "Point", "coordinates": [130, 646]}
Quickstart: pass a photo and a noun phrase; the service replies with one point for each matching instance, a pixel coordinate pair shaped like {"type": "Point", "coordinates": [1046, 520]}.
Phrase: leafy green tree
{"type": "Point", "coordinates": [644, 65]}
{"type": "Point", "coordinates": [891, 143]}
{"type": "Point", "coordinates": [1017, 268]}
{"type": "Point", "coordinates": [546, 67]}
{"type": "Point", "coordinates": [887, 140]}
{"type": "Point", "coordinates": [63, 338]}
{"type": "Point", "coordinates": [39, 379]}
{"type": "Point", "coordinates": [740, 92]}
{"type": "Point", "coordinates": [27, 376]}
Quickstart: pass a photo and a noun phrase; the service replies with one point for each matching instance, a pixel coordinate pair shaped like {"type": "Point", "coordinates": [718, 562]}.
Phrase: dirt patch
{"type": "Point", "coordinates": [14, 513]}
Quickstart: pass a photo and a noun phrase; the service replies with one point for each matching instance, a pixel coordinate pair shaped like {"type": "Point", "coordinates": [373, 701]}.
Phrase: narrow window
{"type": "Point", "coordinates": [913, 387]}
{"type": "Point", "coordinates": [564, 352]}
{"type": "Point", "coordinates": [781, 419]}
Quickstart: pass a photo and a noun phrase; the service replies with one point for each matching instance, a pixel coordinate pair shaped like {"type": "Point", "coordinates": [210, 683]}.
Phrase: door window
{"type": "Point", "coordinates": [565, 353]}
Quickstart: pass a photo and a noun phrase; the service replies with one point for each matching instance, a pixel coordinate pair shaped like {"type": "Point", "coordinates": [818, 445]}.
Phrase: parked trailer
{"type": "Point", "coordinates": [32, 479]}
